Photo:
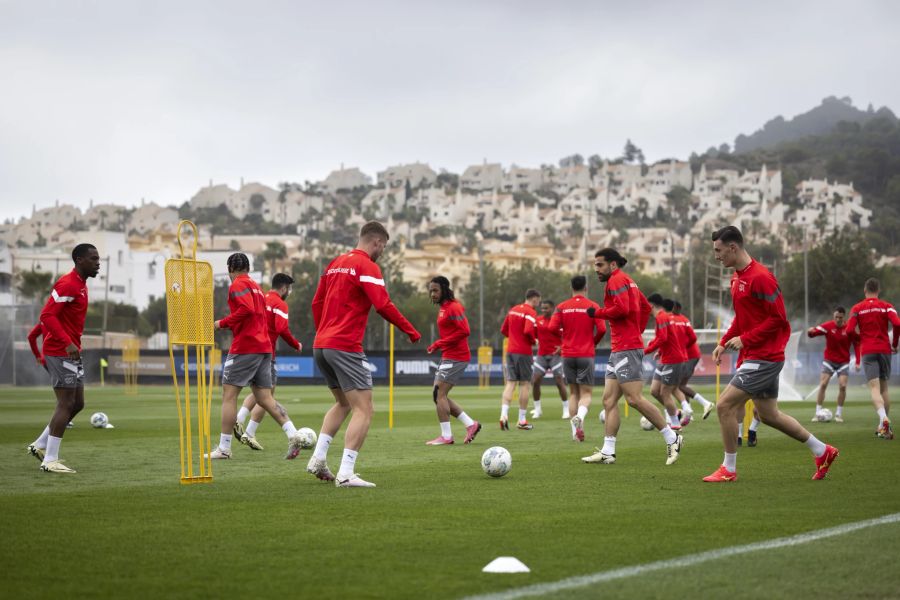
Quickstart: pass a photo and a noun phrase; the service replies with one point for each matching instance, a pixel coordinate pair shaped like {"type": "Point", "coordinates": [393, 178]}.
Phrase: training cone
{"type": "Point", "coordinates": [506, 564]}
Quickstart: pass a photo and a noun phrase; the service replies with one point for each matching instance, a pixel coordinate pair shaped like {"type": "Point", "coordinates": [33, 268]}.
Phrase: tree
{"type": "Point", "coordinates": [679, 200]}
{"type": "Point", "coordinates": [34, 285]}
{"type": "Point", "coordinates": [575, 160]}
{"type": "Point", "coordinates": [632, 153]}
{"type": "Point", "coordinates": [235, 245]}
{"type": "Point", "coordinates": [274, 252]}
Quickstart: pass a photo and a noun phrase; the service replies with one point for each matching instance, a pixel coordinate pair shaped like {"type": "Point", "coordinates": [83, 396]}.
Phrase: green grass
{"type": "Point", "coordinates": [124, 527]}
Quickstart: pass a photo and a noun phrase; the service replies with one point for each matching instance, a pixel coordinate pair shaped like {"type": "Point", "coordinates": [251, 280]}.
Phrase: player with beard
{"type": "Point", "coordinates": [836, 360]}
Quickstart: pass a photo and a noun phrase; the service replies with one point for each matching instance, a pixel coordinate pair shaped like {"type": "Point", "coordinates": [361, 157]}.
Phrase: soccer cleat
{"type": "Point", "coordinates": [471, 431]}
{"type": "Point", "coordinates": [708, 410]}
{"type": "Point", "coordinates": [885, 432]}
{"type": "Point", "coordinates": [824, 462]}
{"type": "Point", "coordinates": [673, 450]}
{"type": "Point", "coordinates": [238, 430]}
{"type": "Point", "coordinates": [536, 414]}
{"type": "Point", "coordinates": [686, 419]}
{"type": "Point", "coordinates": [565, 414]}
{"type": "Point", "coordinates": [504, 424]}
{"type": "Point", "coordinates": [70, 425]}
{"type": "Point", "coordinates": [740, 441]}
{"type": "Point", "coordinates": [599, 457]}
{"type": "Point", "coordinates": [751, 439]}
{"type": "Point", "coordinates": [815, 418]}
{"type": "Point", "coordinates": [439, 441]}
{"type": "Point", "coordinates": [218, 454]}
{"type": "Point", "coordinates": [721, 475]}
{"type": "Point", "coordinates": [36, 452]}
{"type": "Point", "coordinates": [54, 466]}
{"type": "Point", "coordinates": [578, 423]}
{"type": "Point", "coordinates": [249, 440]}
{"type": "Point", "coordinates": [838, 419]}
{"type": "Point", "coordinates": [675, 427]}
{"type": "Point", "coordinates": [525, 425]}
{"type": "Point", "coordinates": [353, 481]}
{"type": "Point", "coordinates": [319, 468]}
{"type": "Point", "coordinates": [294, 445]}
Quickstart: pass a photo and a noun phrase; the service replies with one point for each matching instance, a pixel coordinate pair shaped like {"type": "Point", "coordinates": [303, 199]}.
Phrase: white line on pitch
{"type": "Point", "coordinates": [689, 560]}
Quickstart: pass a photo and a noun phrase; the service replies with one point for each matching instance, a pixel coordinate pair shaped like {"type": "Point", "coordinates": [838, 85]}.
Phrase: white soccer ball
{"type": "Point", "coordinates": [496, 461]}
{"type": "Point", "coordinates": [825, 416]}
{"type": "Point", "coordinates": [99, 420]}
{"type": "Point", "coordinates": [603, 416]}
{"type": "Point", "coordinates": [646, 425]}
{"type": "Point", "coordinates": [307, 437]}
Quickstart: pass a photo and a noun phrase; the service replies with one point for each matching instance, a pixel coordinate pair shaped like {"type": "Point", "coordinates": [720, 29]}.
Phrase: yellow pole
{"type": "Point", "coordinates": [391, 381]}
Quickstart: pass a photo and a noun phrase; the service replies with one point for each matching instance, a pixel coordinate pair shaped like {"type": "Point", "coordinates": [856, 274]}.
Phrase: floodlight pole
{"type": "Point", "coordinates": [481, 291]}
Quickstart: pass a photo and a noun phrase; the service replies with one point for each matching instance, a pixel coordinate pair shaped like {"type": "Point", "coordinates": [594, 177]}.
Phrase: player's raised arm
{"type": "Point", "coordinates": [372, 283]}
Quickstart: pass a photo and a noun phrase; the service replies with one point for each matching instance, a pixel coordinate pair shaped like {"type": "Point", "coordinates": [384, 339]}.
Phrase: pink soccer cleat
{"type": "Point", "coordinates": [721, 475]}
{"type": "Point", "coordinates": [439, 441]}
{"type": "Point", "coordinates": [471, 431]}
{"type": "Point", "coordinates": [824, 462]}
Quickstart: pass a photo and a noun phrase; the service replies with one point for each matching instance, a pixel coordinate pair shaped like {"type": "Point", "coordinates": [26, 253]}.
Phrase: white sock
{"type": "Point", "coordinates": [289, 429]}
{"type": "Point", "coordinates": [446, 431]}
{"type": "Point", "coordinates": [52, 452]}
{"type": "Point", "coordinates": [609, 445]}
{"type": "Point", "coordinates": [740, 429]}
{"type": "Point", "coordinates": [251, 428]}
{"type": "Point", "coordinates": [565, 409]}
{"type": "Point", "coordinates": [882, 415]}
{"type": "Point", "coordinates": [817, 447]}
{"type": "Point", "coordinates": [348, 463]}
{"type": "Point", "coordinates": [537, 405]}
{"type": "Point", "coordinates": [523, 415]}
{"type": "Point", "coordinates": [818, 409]}
{"type": "Point", "coordinates": [703, 401]}
{"type": "Point", "coordinates": [465, 419]}
{"type": "Point", "coordinates": [504, 412]}
{"type": "Point", "coordinates": [839, 410]}
{"type": "Point", "coordinates": [673, 420]}
{"type": "Point", "coordinates": [730, 463]}
{"type": "Point", "coordinates": [754, 424]}
{"type": "Point", "coordinates": [242, 415]}
{"type": "Point", "coordinates": [225, 441]}
{"type": "Point", "coordinates": [669, 435]}
{"type": "Point", "coordinates": [41, 441]}
{"type": "Point", "coordinates": [322, 444]}
{"type": "Point", "coordinates": [582, 412]}
{"type": "Point", "coordinates": [686, 406]}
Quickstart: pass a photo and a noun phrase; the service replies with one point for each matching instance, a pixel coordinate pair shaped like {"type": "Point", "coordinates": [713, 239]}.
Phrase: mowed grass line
{"type": "Point", "coordinates": [126, 528]}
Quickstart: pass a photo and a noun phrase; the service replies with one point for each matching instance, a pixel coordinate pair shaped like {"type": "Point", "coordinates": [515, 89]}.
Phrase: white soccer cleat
{"type": "Point", "coordinates": [218, 454]}
{"type": "Point", "coordinates": [294, 445]}
{"type": "Point", "coordinates": [600, 458]}
{"type": "Point", "coordinates": [536, 414]}
{"type": "Point", "coordinates": [320, 469]}
{"type": "Point", "coordinates": [55, 466]}
{"type": "Point", "coordinates": [36, 452]}
{"type": "Point", "coordinates": [249, 440]}
{"type": "Point", "coordinates": [709, 408]}
{"type": "Point", "coordinates": [238, 430]}
{"type": "Point", "coordinates": [673, 450]}
{"type": "Point", "coordinates": [353, 481]}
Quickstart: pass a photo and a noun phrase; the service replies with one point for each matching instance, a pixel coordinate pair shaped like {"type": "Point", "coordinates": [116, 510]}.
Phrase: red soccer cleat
{"type": "Point", "coordinates": [720, 475]}
{"type": "Point", "coordinates": [885, 431]}
{"type": "Point", "coordinates": [471, 431]}
{"type": "Point", "coordinates": [439, 441]}
{"type": "Point", "coordinates": [504, 424]}
{"type": "Point", "coordinates": [824, 462]}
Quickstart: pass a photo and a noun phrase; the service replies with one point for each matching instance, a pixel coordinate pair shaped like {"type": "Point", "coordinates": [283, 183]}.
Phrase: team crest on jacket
{"type": "Point", "coordinates": [352, 271]}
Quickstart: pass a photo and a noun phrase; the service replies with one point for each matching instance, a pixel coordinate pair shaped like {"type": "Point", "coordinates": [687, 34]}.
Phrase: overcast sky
{"type": "Point", "coordinates": [123, 100]}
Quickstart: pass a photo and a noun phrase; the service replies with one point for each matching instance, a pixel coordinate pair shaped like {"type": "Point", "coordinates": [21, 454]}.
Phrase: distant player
{"type": "Point", "coordinates": [671, 359]}
{"type": "Point", "coordinates": [62, 324]}
{"type": "Point", "coordinates": [627, 311]}
{"type": "Point", "coordinates": [693, 353]}
{"type": "Point", "coordinates": [249, 360]}
{"type": "Point", "coordinates": [580, 336]}
{"type": "Point", "coordinates": [548, 359]}
{"type": "Point", "coordinates": [836, 360]}
{"type": "Point", "coordinates": [520, 326]}
{"type": "Point", "coordinates": [759, 332]}
{"type": "Point", "coordinates": [871, 317]}
{"type": "Point", "coordinates": [277, 327]}
{"type": "Point", "coordinates": [350, 285]}
{"type": "Point", "coordinates": [453, 342]}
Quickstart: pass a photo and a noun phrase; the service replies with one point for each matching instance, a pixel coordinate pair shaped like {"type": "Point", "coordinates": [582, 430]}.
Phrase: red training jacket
{"type": "Point", "coordinates": [548, 339]}
{"type": "Point", "coordinates": [247, 320]}
{"type": "Point", "coordinates": [520, 326]}
{"type": "Point", "coordinates": [670, 344]}
{"type": "Point", "coordinates": [872, 315]}
{"type": "Point", "coordinates": [62, 318]}
{"type": "Point", "coordinates": [453, 331]}
{"type": "Point", "coordinates": [686, 332]}
{"type": "Point", "coordinates": [759, 317]}
{"type": "Point", "coordinates": [627, 311]}
{"type": "Point", "coordinates": [580, 333]}
{"type": "Point", "coordinates": [350, 285]}
{"type": "Point", "coordinates": [837, 341]}
{"type": "Point", "coordinates": [277, 321]}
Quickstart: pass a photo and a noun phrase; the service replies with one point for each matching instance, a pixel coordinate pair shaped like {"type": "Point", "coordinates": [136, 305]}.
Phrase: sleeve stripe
{"type": "Point", "coordinates": [59, 298]}
{"type": "Point", "coordinates": [820, 328]}
{"type": "Point", "coordinates": [530, 318]}
{"type": "Point", "coordinates": [370, 279]}
{"type": "Point", "coordinates": [280, 313]}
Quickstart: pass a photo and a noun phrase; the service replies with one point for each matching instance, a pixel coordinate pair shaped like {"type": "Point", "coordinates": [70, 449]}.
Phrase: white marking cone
{"type": "Point", "coordinates": [506, 564]}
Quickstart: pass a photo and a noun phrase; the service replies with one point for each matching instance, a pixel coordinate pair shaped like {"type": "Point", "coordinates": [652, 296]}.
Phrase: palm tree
{"type": "Point", "coordinates": [274, 252]}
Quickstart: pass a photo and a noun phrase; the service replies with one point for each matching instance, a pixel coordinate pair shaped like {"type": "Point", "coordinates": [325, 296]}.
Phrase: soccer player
{"type": "Point", "coordinates": [277, 326]}
{"type": "Point", "coordinates": [672, 356]}
{"type": "Point", "coordinates": [520, 326]}
{"type": "Point", "coordinates": [580, 336]}
{"type": "Point", "coordinates": [62, 324]}
{"type": "Point", "coordinates": [627, 311]}
{"type": "Point", "coordinates": [249, 360]}
{"type": "Point", "coordinates": [759, 332]}
{"type": "Point", "coordinates": [693, 353]}
{"type": "Point", "coordinates": [836, 360]}
{"type": "Point", "coordinates": [548, 359]}
{"type": "Point", "coordinates": [350, 285]}
{"type": "Point", "coordinates": [453, 342]}
{"type": "Point", "coordinates": [872, 316]}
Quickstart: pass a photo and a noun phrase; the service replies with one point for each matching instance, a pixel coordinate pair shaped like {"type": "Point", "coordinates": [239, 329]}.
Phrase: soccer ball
{"type": "Point", "coordinates": [99, 420]}
{"type": "Point", "coordinates": [825, 416]}
{"type": "Point", "coordinates": [496, 461]}
{"type": "Point", "coordinates": [646, 425]}
{"type": "Point", "coordinates": [307, 437]}
{"type": "Point", "coordinates": [603, 416]}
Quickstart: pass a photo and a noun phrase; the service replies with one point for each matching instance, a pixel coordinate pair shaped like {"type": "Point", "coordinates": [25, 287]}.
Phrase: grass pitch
{"type": "Point", "coordinates": [124, 527]}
